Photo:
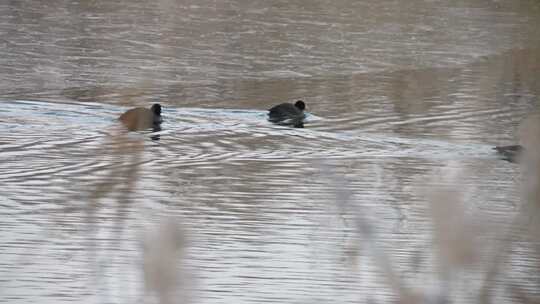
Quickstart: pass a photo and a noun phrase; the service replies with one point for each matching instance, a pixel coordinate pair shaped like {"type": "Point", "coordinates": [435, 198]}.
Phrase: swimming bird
{"type": "Point", "coordinates": [142, 118]}
{"type": "Point", "coordinates": [510, 153]}
{"type": "Point", "coordinates": [528, 145]}
{"type": "Point", "coordinates": [288, 114]}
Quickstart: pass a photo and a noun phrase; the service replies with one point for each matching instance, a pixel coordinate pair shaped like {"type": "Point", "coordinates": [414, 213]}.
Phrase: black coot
{"type": "Point", "coordinates": [510, 153]}
{"type": "Point", "coordinates": [288, 114]}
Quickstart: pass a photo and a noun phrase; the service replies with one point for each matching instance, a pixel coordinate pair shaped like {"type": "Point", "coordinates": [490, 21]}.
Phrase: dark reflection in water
{"type": "Point", "coordinates": [392, 186]}
{"type": "Point", "coordinates": [155, 129]}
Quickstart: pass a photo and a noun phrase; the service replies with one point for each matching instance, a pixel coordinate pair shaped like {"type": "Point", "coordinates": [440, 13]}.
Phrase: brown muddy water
{"type": "Point", "coordinates": [391, 193]}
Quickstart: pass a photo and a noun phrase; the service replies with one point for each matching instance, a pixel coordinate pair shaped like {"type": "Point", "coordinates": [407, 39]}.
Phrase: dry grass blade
{"type": "Point", "coordinates": [344, 201]}
{"type": "Point", "coordinates": [529, 132]}
{"type": "Point", "coordinates": [162, 255]}
{"type": "Point", "coordinates": [453, 228]}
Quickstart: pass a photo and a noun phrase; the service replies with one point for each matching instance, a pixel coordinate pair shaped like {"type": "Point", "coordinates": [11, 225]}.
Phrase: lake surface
{"type": "Point", "coordinates": [391, 192]}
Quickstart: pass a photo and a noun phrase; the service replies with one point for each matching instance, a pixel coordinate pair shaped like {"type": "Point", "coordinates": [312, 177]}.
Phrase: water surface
{"type": "Point", "coordinates": [406, 101]}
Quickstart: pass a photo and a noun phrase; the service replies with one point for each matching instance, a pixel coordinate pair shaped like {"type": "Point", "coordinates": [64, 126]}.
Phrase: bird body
{"type": "Point", "coordinates": [288, 114]}
{"type": "Point", "coordinates": [510, 153]}
{"type": "Point", "coordinates": [142, 118]}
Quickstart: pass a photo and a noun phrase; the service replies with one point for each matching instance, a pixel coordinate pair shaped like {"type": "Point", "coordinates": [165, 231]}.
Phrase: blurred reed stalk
{"type": "Point", "coordinates": [125, 153]}
{"type": "Point", "coordinates": [455, 232]}
{"type": "Point", "coordinates": [162, 268]}
{"type": "Point", "coordinates": [162, 247]}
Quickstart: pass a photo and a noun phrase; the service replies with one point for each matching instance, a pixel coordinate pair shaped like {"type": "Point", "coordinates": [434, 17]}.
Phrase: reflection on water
{"type": "Point", "coordinates": [391, 190]}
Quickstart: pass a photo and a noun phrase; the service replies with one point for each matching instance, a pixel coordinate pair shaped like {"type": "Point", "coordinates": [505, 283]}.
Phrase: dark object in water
{"type": "Point", "coordinates": [288, 114]}
{"type": "Point", "coordinates": [156, 128]}
{"type": "Point", "coordinates": [142, 118]}
{"type": "Point", "coordinates": [510, 153]}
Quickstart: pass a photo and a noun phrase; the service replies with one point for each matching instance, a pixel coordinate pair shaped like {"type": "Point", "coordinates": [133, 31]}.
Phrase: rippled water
{"type": "Point", "coordinates": [405, 99]}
